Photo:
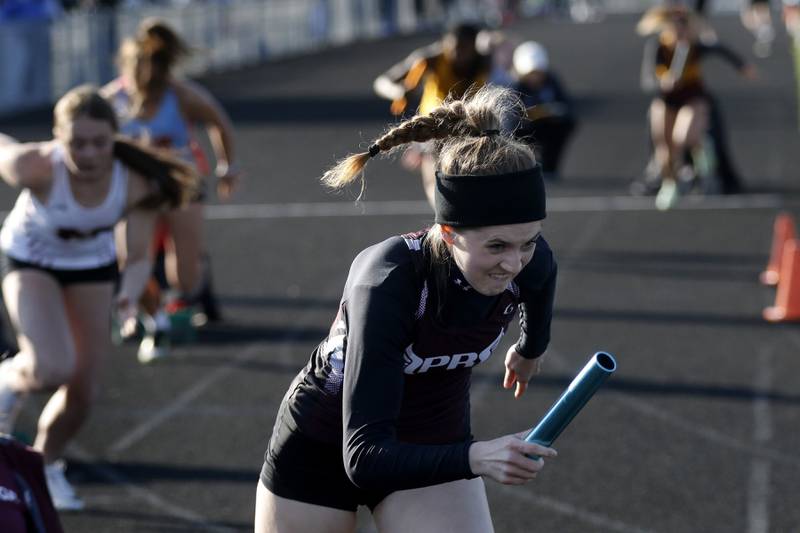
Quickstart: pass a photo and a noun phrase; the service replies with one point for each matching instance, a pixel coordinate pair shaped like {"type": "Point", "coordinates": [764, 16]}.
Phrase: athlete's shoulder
{"type": "Point", "coordinates": [390, 262]}
{"type": "Point", "coordinates": [114, 88]}
{"type": "Point", "coordinates": [391, 252]}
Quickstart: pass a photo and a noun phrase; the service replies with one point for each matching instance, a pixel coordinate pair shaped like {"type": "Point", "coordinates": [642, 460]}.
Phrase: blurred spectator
{"type": "Point", "coordinates": [25, 49]}
{"type": "Point", "coordinates": [550, 118]}
{"type": "Point", "coordinates": [500, 46]}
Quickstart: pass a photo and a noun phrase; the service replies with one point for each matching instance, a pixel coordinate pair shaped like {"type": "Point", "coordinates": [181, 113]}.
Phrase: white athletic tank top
{"type": "Point", "coordinates": [61, 233]}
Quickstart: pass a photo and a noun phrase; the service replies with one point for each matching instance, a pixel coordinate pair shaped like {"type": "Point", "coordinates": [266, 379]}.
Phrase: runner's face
{"type": "Point", "coordinates": [680, 24]}
{"type": "Point", "coordinates": [492, 256]}
{"type": "Point", "coordinates": [462, 52]}
{"type": "Point", "coordinates": [141, 71]}
{"type": "Point", "coordinates": [89, 145]}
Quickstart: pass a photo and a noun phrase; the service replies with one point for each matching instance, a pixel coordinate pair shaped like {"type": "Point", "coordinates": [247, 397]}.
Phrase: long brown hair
{"type": "Point", "coordinates": [469, 139]}
{"type": "Point", "coordinates": [175, 182]}
{"type": "Point", "coordinates": [161, 47]}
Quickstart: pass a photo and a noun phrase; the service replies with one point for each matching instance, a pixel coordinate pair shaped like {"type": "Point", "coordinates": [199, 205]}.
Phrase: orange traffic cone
{"type": "Point", "coordinates": [782, 232]}
{"type": "Point", "coordinates": [787, 299]}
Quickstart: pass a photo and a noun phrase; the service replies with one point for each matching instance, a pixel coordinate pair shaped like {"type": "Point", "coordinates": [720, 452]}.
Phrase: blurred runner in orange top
{"type": "Point", "coordinates": [447, 68]}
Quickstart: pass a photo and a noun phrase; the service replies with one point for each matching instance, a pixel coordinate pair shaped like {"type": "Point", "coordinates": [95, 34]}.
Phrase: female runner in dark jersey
{"type": "Point", "coordinates": [380, 414]}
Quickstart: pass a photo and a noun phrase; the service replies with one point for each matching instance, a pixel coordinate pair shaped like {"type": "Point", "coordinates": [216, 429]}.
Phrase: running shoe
{"type": "Point", "coordinates": [63, 495]}
{"type": "Point", "coordinates": [644, 187]}
{"type": "Point", "coordinates": [117, 336]}
{"type": "Point", "coordinates": [181, 313]}
{"type": "Point", "coordinates": [765, 35]}
{"type": "Point", "coordinates": [154, 346]}
{"type": "Point", "coordinates": [667, 196]}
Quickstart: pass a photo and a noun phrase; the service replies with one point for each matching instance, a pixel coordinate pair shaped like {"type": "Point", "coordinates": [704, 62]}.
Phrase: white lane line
{"type": "Point", "coordinates": [758, 497]}
{"type": "Point", "coordinates": [148, 426]}
{"type": "Point", "coordinates": [707, 433]}
{"type": "Point", "coordinates": [137, 433]}
{"type": "Point", "coordinates": [142, 494]}
{"type": "Point", "coordinates": [563, 204]}
{"type": "Point", "coordinates": [602, 522]}
{"type": "Point", "coordinates": [421, 208]}
{"type": "Point", "coordinates": [186, 398]}
{"type": "Point", "coordinates": [758, 487]}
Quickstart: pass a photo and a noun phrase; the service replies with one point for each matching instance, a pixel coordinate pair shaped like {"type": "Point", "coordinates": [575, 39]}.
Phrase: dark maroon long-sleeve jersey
{"type": "Point", "coordinates": [391, 381]}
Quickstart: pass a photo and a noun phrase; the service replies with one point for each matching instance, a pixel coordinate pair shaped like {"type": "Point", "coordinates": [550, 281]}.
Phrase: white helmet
{"type": "Point", "coordinates": [530, 56]}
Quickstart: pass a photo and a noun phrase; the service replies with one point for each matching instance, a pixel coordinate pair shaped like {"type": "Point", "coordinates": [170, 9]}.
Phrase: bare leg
{"type": "Point", "coordinates": [184, 253]}
{"type": "Point", "coordinates": [88, 309]}
{"type": "Point", "coordinates": [279, 515]}
{"type": "Point", "coordinates": [119, 240]}
{"type": "Point", "coordinates": [662, 121]}
{"type": "Point", "coordinates": [420, 510]}
{"type": "Point", "coordinates": [689, 133]}
{"type": "Point", "coordinates": [35, 306]}
{"type": "Point", "coordinates": [691, 123]}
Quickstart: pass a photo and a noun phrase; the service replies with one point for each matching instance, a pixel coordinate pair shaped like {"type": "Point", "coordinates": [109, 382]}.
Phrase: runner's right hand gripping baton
{"type": "Point", "coordinates": [572, 400]}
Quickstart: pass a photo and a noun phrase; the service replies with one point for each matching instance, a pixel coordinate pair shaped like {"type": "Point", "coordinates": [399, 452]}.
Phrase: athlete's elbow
{"type": "Point", "coordinates": [360, 476]}
{"type": "Point", "coordinates": [361, 471]}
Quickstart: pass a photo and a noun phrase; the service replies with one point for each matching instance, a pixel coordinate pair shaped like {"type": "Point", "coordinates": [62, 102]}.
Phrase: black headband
{"type": "Point", "coordinates": [474, 201]}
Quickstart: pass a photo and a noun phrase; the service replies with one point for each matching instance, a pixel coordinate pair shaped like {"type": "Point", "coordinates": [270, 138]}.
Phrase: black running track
{"type": "Point", "coordinates": [697, 432]}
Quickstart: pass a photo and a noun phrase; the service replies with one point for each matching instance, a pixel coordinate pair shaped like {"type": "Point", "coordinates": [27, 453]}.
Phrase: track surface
{"type": "Point", "coordinates": [697, 432]}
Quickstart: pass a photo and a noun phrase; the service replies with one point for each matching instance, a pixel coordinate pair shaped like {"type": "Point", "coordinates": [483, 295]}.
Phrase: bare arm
{"type": "Point", "coordinates": [7, 139]}
{"type": "Point", "coordinates": [108, 90]}
{"type": "Point", "coordinates": [26, 165]}
{"type": "Point", "coordinates": [405, 76]}
{"type": "Point", "coordinates": [133, 244]}
{"type": "Point", "coordinates": [199, 106]}
{"type": "Point", "coordinates": [648, 79]}
{"type": "Point", "coordinates": [138, 237]}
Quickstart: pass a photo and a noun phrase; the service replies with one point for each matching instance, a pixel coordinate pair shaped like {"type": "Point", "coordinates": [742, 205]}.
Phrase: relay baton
{"type": "Point", "coordinates": [572, 400]}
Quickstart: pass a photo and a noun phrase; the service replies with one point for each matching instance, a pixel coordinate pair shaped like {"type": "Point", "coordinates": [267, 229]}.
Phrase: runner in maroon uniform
{"type": "Point", "coordinates": [380, 415]}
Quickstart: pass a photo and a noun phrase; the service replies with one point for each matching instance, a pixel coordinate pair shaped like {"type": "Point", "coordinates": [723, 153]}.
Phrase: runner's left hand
{"type": "Point", "coordinates": [520, 370]}
{"type": "Point", "coordinates": [227, 180]}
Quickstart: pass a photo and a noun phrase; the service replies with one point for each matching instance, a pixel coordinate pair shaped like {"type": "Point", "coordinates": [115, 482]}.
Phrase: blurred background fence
{"type": "Point", "coordinates": [45, 53]}
{"type": "Point", "coordinates": [41, 58]}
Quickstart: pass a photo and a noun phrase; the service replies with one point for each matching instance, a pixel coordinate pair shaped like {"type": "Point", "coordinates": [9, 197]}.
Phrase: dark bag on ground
{"type": "Point", "coordinates": [25, 504]}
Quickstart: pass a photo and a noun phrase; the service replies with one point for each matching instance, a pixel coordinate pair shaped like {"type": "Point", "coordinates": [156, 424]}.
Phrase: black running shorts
{"type": "Point", "coordinates": [64, 277]}
{"type": "Point", "coordinates": [301, 468]}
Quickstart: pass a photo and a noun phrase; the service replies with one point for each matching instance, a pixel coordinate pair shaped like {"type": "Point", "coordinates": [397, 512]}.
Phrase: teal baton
{"type": "Point", "coordinates": [572, 400]}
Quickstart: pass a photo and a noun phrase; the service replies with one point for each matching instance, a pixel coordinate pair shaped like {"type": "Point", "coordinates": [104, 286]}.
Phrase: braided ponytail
{"type": "Point", "coordinates": [446, 120]}
{"type": "Point", "coordinates": [453, 123]}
